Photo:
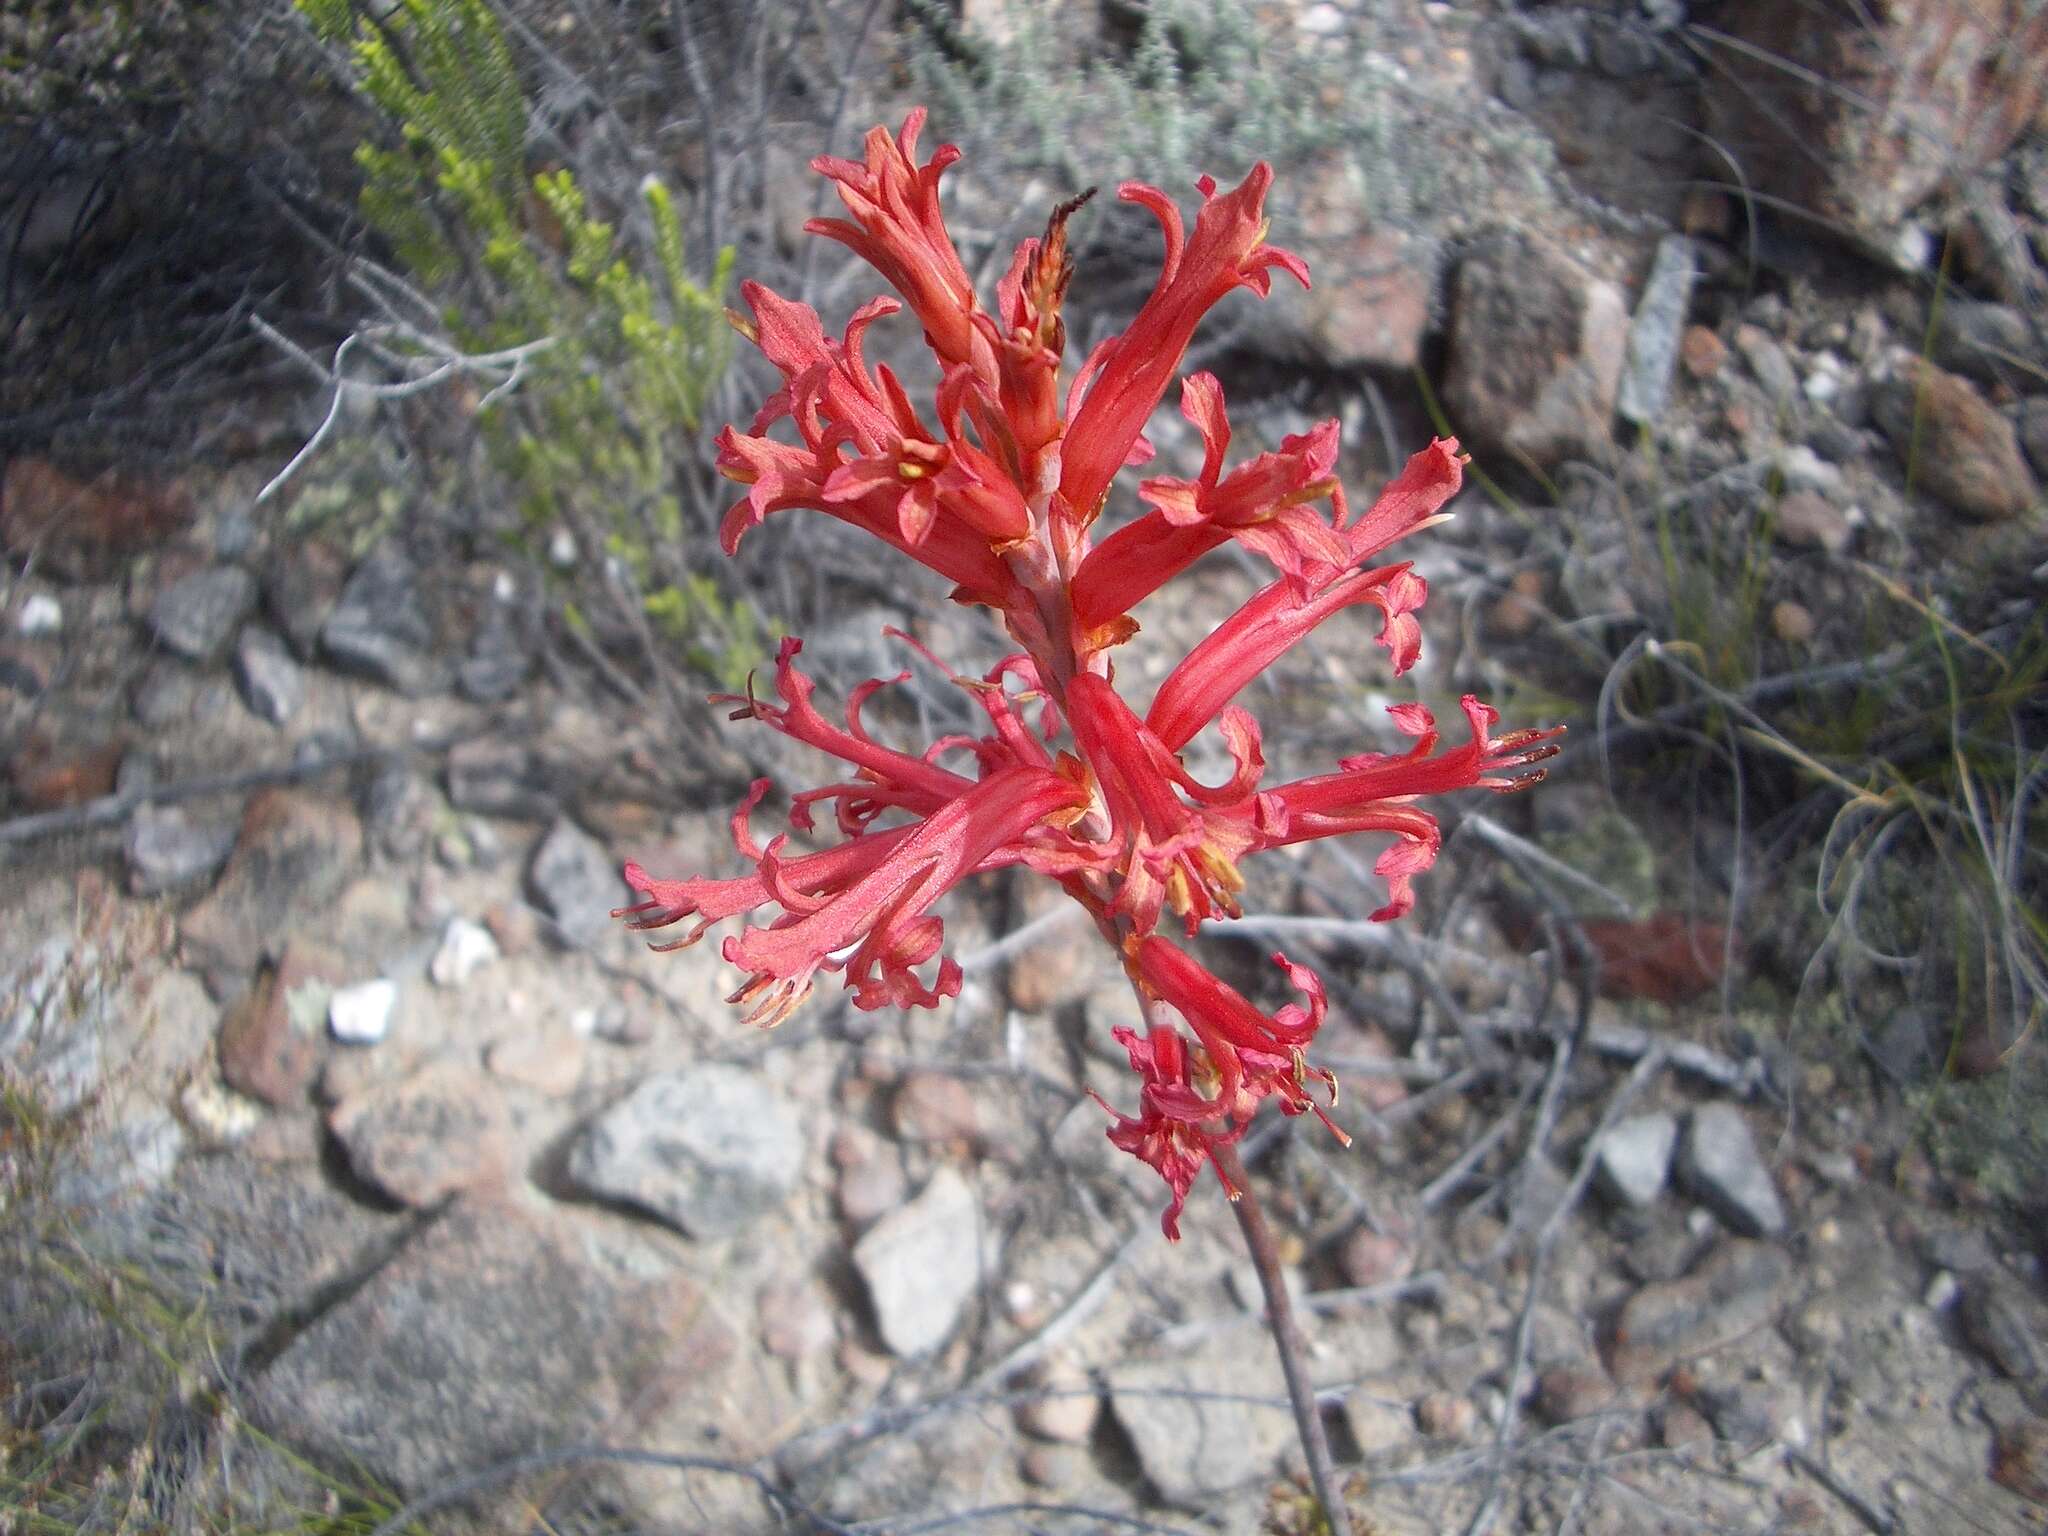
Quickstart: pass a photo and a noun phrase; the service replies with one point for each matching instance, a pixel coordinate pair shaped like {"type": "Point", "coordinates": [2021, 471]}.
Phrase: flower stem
{"type": "Point", "coordinates": [1308, 1420]}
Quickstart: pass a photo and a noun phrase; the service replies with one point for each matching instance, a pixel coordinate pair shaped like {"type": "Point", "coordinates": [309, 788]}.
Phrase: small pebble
{"type": "Point", "coordinates": [514, 925]}
{"type": "Point", "coordinates": [1374, 1258]}
{"type": "Point", "coordinates": [1020, 1301]}
{"type": "Point", "coordinates": [465, 946]}
{"type": "Point", "coordinates": [41, 614]}
{"type": "Point", "coordinates": [1793, 622]}
{"type": "Point", "coordinates": [361, 1014]}
{"type": "Point", "coordinates": [1445, 1415]}
{"type": "Point", "coordinates": [871, 1189]}
{"type": "Point", "coordinates": [1068, 1410]}
{"type": "Point", "coordinates": [1941, 1291]}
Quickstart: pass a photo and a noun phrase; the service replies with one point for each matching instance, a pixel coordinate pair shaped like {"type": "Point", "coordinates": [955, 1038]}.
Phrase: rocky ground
{"type": "Point", "coordinates": [353, 1155]}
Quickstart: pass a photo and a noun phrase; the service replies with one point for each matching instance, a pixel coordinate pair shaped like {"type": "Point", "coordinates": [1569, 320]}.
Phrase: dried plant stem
{"type": "Point", "coordinates": [1308, 1420]}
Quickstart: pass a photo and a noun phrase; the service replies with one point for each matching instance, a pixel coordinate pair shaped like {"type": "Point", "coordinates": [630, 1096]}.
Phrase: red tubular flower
{"type": "Point", "coordinates": [1228, 251]}
{"type": "Point", "coordinates": [996, 489]}
{"type": "Point", "coordinates": [1266, 505]}
{"type": "Point", "coordinates": [1254, 637]}
{"type": "Point", "coordinates": [1371, 793]}
{"type": "Point", "coordinates": [898, 230]}
{"type": "Point", "coordinates": [1189, 1104]}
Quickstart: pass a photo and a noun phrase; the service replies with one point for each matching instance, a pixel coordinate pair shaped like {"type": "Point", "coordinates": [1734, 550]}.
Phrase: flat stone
{"type": "Point", "coordinates": [171, 693]}
{"type": "Point", "coordinates": [921, 1263]}
{"type": "Point", "coordinates": [119, 1162]}
{"type": "Point", "coordinates": [1186, 1418]}
{"type": "Point", "coordinates": [1984, 341]}
{"type": "Point", "coordinates": [301, 584]}
{"type": "Point", "coordinates": [1720, 1163]}
{"type": "Point", "coordinates": [1653, 335]}
{"type": "Point", "coordinates": [1066, 1410]}
{"type": "Point", "coordinates": [272, 683]}
{"type": "Point", "coordinates": [499, 778]}
{"type": "Point", "coordinates": [294, 852]}
{"type": "Point", "coordinates": [168, 850]}
{"type": "Point", "coordinates": [1568, 1392]}
{"type": "Point", "coordinates": [1996, 1326]}
{"type": "Point", "coordinates": [1681, 1426]}
{"type": "Point", "coordinates": [709, 1149]}
{"type": "Point", "coordinates": [425, 1137]}
{"type": "Point", "coordinates": [1737, 1288]}
{"type": "Point", "coordinates": [1536, 351]}
{"type": "Point", "coordinates": [270, 1038]}
{"type": "Point", "coordinates": [577, 883]}
{"type": "Point", "coordinates": [514, 926]}
{"type": "Point", "coordinates": [1634, 1158]}
{"type": "Point", "coordinates": [497, 664]}
{"type": "Point", "coordinates": [1768, 364]}
{"type": "Point", "coordinates": [549, 1061]}
{"type": "Point", "coordinates": [934, 1106]}
{"type": "Point", "coordinates": [380, 628]}
{"type": "Point", "coordinates": [1956, 446]}
{"type": "Point", "coordinates": [1380, 1422]}
{"type": "Point", "coordinates": [498, 1330]}
{"type": "Point", "coordinates": [195, 616]}
{"type": "Point", "coordinates": [1807, 520]}
{"type": "Point", "coordinates": [57, 1009]}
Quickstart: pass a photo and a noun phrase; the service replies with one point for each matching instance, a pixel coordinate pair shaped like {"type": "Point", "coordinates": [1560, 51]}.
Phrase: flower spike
{"type": "Point", "coordinates": [996, 484]}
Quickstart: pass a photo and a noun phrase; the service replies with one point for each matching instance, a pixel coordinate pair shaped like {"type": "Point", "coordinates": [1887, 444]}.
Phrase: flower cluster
{"type": "Point", "coordinates": [998, 490]}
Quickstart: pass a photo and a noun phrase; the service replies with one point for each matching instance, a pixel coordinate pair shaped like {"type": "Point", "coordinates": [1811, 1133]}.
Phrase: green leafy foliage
{"type": "Point", "coordinates": [638, 344]}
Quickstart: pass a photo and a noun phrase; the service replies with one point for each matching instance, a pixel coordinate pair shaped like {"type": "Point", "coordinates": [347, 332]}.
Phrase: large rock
{"type": "Point", "coordinates": [709, 1149]}
{"type": "Point", "coordinates": [381, 627]}
{"type": "Point", "coordinates": [1952, 443]}
{"type": "Point", "coordinates": [167, 849]}
{"type": "Point", "coordinates": [84, 531]}
{"type": "Point", "coordinates": [425, 1137]}
{"type": "Point", "coordinates": [195, 617]}
{"type": "Point", "coordinates": [1634, 1157]}
{"type": "Point", "coordinates": [1186, 1416]}
{"type": "Point", "coordinates": [272, 684]}
{"type": "Point", "coordinates": [1721, 1164]}
{"type": "Point", "coordinates": [1734, 1290]}
{"type": "Point", "coordinates": [57, 1009]}
{"type": "Point", "coordinates": [1857, 113]}
{"type": "Point", "coordinates": [1654, 334]}
{"type": "Point", "coordinates": [497, 1330]}
{"type": "Point", "coordinates": [294, 852]}
{"type": "Point", "coordinates": [270, 1039]}
{"type": "Point", "coordinates": [1375, 285]}
{"type": "Point", "coordinates": [576, 883]}
{"type": "Point", "coordinates": [1537, 346]}
{"type": "Point", "coordinates": [921, 1262]}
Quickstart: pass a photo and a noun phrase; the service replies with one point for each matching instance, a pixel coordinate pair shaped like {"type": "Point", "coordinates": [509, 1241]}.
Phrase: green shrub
{"type": "Point", "coordinates": [608, 416]}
